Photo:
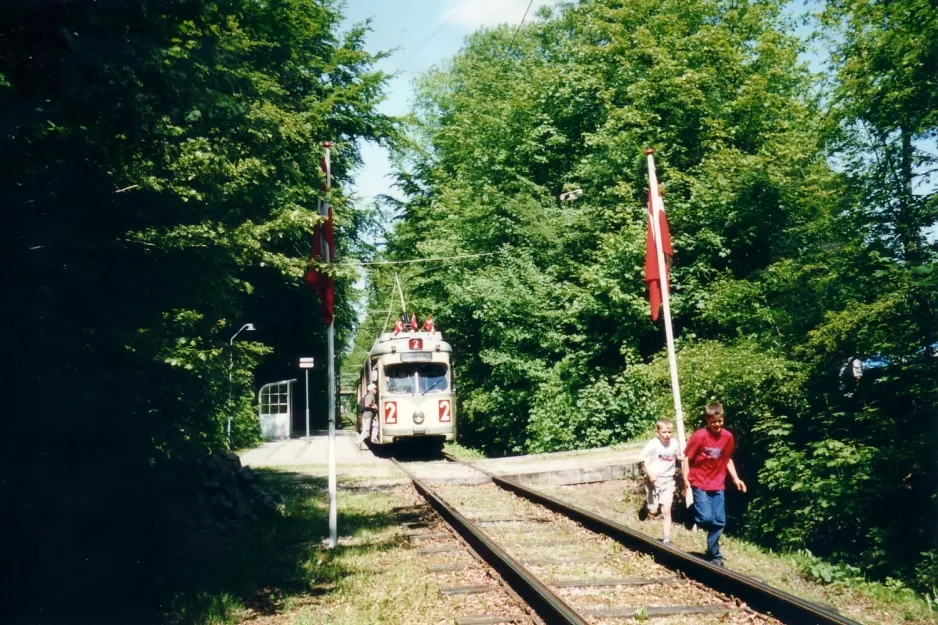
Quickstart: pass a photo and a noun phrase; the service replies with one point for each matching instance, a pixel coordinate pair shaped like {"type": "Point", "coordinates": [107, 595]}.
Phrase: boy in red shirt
{"type": "Point", "coordinates": [708, 457]}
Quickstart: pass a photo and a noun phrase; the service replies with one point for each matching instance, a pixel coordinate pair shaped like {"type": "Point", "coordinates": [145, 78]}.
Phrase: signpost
{"type": "Point", "coordinates": [307, 363]}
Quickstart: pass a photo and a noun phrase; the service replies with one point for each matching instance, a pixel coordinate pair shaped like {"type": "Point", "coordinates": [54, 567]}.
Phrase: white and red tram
{"type": "Point", "coordinates": [413, 372]}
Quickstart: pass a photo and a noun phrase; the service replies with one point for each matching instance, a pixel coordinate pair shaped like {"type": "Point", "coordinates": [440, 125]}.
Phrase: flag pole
{"type": "Point", "coordinates": [663, 278]}
{"type": "Point", "coordinates": [330, 355]}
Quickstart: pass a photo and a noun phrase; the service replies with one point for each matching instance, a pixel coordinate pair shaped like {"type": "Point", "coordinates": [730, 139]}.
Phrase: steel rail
{"type": "Point", "coordinates": [757, 595]}
{"type": "Point", "coordinates": [550, 607]}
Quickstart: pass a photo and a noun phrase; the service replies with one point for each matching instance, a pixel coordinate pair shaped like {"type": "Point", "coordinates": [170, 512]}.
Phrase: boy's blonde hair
{"type": "Point", "coordinates": [660, 423]}
{"type": "Point", "coordinates": [715, 409]}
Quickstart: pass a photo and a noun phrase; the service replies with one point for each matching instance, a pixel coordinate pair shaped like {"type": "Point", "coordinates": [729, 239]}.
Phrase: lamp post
{"type": "Point", "coordinates": [250, 328]}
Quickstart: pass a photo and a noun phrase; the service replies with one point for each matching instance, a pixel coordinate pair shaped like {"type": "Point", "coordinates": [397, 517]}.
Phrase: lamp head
{"type": "Point", "coordinates": [249, 327]}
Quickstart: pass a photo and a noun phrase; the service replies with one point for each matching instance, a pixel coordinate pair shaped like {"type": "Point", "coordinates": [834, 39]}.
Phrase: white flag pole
{"type": "Point", "coordinates": [658, 207]}
{"type": "Point", "coordinates": [330, 355]}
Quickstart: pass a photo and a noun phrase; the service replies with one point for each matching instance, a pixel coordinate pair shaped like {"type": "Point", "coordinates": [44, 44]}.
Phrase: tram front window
{"type": "Point", "coordinates": [400, 378]}
{"type": "Point", "coordinates": [416, 378]}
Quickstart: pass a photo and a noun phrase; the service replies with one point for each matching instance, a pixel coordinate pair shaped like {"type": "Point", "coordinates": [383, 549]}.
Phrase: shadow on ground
{"type": "Point", "coordinates": [418, 450]}
{"type": "Point", "coordinates": [260, 565]}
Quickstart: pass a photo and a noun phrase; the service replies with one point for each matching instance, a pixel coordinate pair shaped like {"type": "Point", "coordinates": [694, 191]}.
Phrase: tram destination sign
{"type": "Point", "coordinates": [412, 356]}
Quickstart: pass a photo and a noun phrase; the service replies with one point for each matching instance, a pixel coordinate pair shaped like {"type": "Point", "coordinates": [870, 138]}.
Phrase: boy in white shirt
{"type": "Point", "coordinates": [659, 461]}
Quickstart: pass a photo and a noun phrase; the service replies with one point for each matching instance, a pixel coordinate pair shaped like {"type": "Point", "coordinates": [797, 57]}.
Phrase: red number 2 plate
{"type": "Point", "coordinates": [390, 412]}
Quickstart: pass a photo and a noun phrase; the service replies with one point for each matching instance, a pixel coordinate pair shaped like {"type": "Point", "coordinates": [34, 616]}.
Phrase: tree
{"type": "Point", "coordinates": [560, 308]}
{"type": "Point", "coordinates": [160, 165]}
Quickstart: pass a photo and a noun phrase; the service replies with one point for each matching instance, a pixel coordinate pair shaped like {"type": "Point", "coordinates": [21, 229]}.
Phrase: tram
{"type": "Point", "coordinates": [413, 373]}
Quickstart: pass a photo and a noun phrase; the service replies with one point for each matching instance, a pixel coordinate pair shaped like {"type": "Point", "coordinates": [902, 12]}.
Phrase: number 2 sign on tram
{"type": "Point", "coordinates": [415, 344]}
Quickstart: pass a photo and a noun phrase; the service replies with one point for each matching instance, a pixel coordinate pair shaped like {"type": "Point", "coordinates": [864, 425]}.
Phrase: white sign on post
{"type": "Point", "coordinates": [307, 363]}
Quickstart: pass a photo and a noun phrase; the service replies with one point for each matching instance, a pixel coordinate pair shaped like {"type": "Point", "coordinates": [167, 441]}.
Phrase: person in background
{"type": "Point", "coordinates": [708, 457]}
{"type": "Point", "coordinates": [659, 460]}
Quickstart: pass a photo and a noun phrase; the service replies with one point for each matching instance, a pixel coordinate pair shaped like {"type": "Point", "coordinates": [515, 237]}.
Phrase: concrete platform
{"type": "Point", "coordinates": [310, 456]}
{"type": "Point", "coordinates": [569, 467]}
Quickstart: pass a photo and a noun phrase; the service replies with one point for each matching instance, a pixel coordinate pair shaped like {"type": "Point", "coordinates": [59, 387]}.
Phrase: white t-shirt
{"type": "Point", "coordinates": [660, 460]}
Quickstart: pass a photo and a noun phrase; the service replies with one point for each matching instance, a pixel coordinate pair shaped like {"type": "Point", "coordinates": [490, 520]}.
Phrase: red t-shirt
{"type": "Point", "coordinates": [708, 456]}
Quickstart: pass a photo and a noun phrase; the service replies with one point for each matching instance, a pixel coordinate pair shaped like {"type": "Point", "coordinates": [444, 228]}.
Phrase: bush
{"type": "Point", "coordinates": [601, 412]}
{"type": "Point", "coordinates": [751, 383]}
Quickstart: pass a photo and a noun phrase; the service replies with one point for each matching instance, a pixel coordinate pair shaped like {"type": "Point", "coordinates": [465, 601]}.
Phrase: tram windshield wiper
{"type": "Point", "coordinates": [434, 385]}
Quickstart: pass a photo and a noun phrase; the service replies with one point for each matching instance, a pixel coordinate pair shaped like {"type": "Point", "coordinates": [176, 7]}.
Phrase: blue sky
{"type": "Point", "coordinates": [406, 26]}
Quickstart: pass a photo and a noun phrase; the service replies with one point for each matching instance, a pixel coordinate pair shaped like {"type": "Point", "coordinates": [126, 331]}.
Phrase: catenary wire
{"type": "Point", "coordinates": [416, 260]}
{"type": "Point", "coordinates": [428, 39]}
{"type": "Point", "coordinates": [517, 30]}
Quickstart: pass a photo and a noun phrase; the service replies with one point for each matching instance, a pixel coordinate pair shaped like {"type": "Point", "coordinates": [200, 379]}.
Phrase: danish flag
{"type": "Point", "coordinates": [428, 324]}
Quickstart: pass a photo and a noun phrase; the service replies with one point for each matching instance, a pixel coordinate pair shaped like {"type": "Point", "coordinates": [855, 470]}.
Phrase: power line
{"type": "Point", "coordinates": [428, 39]}
{"type": "Point", "coordinates": [517, 30]}
{"type": "Point", "coordinates": [418, 260]}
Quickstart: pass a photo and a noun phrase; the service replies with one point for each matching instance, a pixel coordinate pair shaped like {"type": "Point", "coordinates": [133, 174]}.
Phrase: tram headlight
{"type": "Point", "coordinates": [418, 417]}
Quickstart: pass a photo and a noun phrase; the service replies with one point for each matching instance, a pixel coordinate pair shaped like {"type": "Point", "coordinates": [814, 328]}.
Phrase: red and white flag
{"type": "Point", "coordinates": [398, 326]}
{"type": "Point", "coordinates": [323, 249]}
{"type": "Point", "coordinates": [428, 324]}
{"type": "Point", "coordinates": [413, 322]}
{"type": "Point", "coordinates": [652, 276]}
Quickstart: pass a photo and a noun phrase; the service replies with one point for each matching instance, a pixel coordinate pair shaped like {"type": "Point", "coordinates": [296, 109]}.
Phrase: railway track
{"type": "Point", "coordinates": [573, 566]}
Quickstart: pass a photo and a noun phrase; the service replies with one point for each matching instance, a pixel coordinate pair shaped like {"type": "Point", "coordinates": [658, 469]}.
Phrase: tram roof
{"type": "Point", "coordinates": [388, 342]}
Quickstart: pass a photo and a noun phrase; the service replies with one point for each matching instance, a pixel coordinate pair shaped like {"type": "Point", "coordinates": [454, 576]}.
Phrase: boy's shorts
{"type": "Point", "coordinates": [661, 492]}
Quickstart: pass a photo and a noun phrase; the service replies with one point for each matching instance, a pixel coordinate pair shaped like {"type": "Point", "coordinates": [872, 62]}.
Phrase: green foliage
{"type": "Point", "coordinates": [544, 329]}
{"type": "Point", "coordinates": [160, 176]}
{"type": "Point", "coordinates": [751, 383]}
{"type": "Point", "coordinates": [583, 417]}
{"type": "Point", "coordinates": [799, 216]}
{"type": "Point", "coordinates": [816, 570]}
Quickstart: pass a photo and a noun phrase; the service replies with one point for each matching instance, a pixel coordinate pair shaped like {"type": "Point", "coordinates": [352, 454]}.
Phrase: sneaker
{"type": "Point", "coordinates": [643, 512]}
{"type": "Point", "coordinates": [666, 541]}
{"type": "Point", "coordinates": [715, 560]}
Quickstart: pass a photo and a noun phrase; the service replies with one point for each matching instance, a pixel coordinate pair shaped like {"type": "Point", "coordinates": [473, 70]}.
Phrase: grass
{"type": "Point", "coordinates": [278, 572]}
{"type": "Point", "coordinates": [261, 569]}
{"type": "Point", "coordinates": [463, 453]}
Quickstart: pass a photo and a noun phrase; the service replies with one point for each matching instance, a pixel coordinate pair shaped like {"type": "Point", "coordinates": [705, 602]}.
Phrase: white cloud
{"type": "Point", "coordinates": [473, 14]}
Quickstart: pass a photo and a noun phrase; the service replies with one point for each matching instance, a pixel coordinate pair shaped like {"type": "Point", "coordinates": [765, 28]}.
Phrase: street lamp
{"type": "Point", "coordinates": [250, 328]}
